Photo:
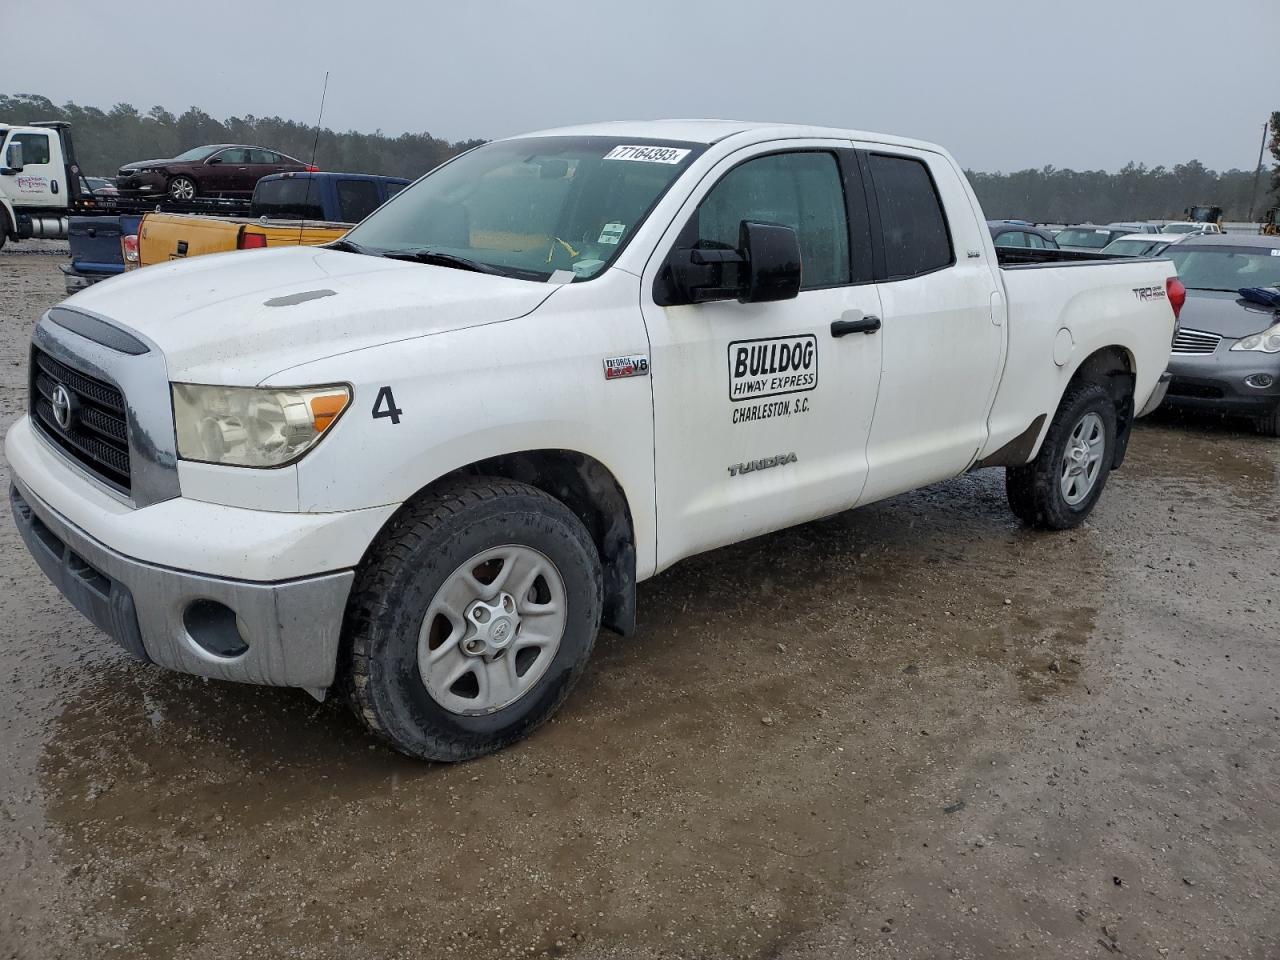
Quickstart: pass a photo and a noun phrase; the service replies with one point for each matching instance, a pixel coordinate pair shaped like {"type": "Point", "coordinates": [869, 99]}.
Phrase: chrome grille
{"type": "Point", "coordinates": [1195, 341]}
{"type": "Point", "coordinates": [98, 436]}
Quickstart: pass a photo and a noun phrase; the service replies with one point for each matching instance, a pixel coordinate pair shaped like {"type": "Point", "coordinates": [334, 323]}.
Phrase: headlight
{"type": "Point", "coordinates": [253, 427]}
{"type": "Point", "coordinates": [1268, 341]}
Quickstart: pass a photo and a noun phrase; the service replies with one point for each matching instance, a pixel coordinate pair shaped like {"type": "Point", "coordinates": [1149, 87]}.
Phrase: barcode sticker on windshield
{"type": "Point", "coordinates": [647, 154]}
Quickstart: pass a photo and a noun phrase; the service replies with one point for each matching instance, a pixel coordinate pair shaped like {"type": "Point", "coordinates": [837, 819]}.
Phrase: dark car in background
{"type": "Point", "coordinates": [220, 169]}
{"type": "Point", "coordinates": [1087, 236]}
{"type": "Point", "coordinates": [1021, 235]}
{"type": "Point", "coordinates": [1226, 352]}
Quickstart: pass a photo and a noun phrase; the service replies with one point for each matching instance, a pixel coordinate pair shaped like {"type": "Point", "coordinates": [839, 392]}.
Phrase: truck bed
{"type": "Point", "coordinates": [1020, 257]}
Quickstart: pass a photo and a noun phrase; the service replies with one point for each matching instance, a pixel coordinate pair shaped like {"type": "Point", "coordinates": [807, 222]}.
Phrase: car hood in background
{"type": "Point", "coordinates": [237, 318]}
{"type": "Point", "coordinates": [1226, 314]}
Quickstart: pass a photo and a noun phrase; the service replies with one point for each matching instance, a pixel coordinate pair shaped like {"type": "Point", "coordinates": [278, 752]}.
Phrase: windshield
{"type": "Point", "coordinates": [1180, 228]}
{"type": "Point", "coordinates": [195, 153]}
{"type": "Point", "coordinates": [1226, 268]}
{"type": "Point", "coordinates": [1095, 239]}
{"type": "Point", "coordinates": [532, 207]}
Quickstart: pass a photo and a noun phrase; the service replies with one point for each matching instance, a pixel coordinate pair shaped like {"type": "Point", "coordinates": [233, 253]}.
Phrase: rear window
{"type": "Point", "coordinates": [290, 198]}
{"type": "Point", "coordinates": [356, 199]}
{"type": "Point", "coordinates": [916, 239]}
{"type": "Point", "coordinates": [1094, 239]}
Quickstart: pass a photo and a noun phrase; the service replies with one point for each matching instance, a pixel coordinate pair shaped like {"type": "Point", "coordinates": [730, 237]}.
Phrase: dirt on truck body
{"type": "Point", "coordinates": [911, 730]}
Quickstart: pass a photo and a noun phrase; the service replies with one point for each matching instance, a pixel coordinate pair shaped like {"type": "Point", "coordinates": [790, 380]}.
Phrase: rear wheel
{"type": "Point", "coordinates": [182, 188]}
{"type": "Point", "coordinates": [1059, 488]}
{"type": "Point", "coordinates": [471, 620]}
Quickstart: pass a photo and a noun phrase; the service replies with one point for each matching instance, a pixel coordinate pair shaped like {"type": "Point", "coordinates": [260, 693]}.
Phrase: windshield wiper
{"type": "Point", "coordinates": [441, 259]}
{"type": "Point", "coordinates": [350, 246]}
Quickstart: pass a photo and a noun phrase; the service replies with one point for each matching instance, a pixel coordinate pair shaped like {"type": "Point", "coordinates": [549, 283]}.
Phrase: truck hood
{"type": "Point", "coordinates": [1226, 314]}
{"type": "Point", "coordinates": [237, 318]}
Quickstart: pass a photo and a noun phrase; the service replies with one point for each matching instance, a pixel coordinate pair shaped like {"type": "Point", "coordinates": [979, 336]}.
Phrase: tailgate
{"type": "Point", "coordinates": [173, 236]}
{"type": "Point", "coordinates": [95, 244]}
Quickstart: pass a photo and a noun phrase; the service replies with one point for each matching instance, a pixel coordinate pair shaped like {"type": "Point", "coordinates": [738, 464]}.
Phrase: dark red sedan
{"type": "Point", "coordinates": [221, 169]}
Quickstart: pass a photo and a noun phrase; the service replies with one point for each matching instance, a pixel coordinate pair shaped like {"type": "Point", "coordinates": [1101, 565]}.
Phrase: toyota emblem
{"type": "Point", "coordinates": [61, 401]}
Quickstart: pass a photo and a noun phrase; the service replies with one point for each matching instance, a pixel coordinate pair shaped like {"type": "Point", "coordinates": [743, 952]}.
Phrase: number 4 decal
{"type": "Point", "coordinates": [385, 405]}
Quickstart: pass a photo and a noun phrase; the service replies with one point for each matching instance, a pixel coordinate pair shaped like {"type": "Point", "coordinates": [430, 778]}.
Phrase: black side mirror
{"type": "Point", "coordinates": [213, 160]}
{"type": "Point", "coordinates": [773, 270]}
{"type": "Point", "coordinates": [764, 267]}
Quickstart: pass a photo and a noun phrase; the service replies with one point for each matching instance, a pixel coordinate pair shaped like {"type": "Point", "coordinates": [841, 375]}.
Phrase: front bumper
{"type": "Point", "coordinates": [140, 183]}
{"type": "Point", "coordinates": [1216, 381]}
{"type": "Point", "coordinates": [77, 278]}
{"type": "Point", "coordinates": [178, 619]}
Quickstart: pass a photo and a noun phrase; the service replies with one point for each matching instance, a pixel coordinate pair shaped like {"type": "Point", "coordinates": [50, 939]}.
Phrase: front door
{"type": "Point", "coordinates": [42, 180]}
{"type": "Point", "coordinates": [761, 414]}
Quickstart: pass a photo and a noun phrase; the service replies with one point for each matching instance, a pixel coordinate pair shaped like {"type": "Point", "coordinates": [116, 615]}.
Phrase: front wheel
{"type": "Point", "coordinates": [182, 188]}
{"type": "Point", "coordinates": [1060, 487]}
{"type": "Point", "coordinates": [472, 618]}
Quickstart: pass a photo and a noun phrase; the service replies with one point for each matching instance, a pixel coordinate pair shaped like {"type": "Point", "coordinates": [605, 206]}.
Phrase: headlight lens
{"type": "Point", "coordinates": [253, 427]}
{"type": "Point", "coordinates": [1268, 341]}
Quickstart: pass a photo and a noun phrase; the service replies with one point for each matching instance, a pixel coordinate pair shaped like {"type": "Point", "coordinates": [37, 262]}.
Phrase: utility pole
{"type": "Point", "coordinates": [1258, 171]}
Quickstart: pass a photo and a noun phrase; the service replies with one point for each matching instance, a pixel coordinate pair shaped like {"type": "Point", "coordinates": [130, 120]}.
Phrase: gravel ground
{"type": "Point", "coordinates": [913, 730]}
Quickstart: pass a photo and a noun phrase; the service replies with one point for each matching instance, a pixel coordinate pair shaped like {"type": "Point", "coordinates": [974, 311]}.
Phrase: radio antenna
{"type": "Point", "coordinates": [315, 145]}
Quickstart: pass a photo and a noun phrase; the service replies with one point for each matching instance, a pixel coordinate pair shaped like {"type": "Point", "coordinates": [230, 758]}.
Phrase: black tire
{"type": "Point", "coordinates": [4, 227]}
{"type": "Point", "coordinates": [178, 185]}
{"type": "Point", "coordinates": [410, 561]}
{"type": "Point", "coordinates": [1269, 423]}
{"type": "Point", "coordinates": [1034, 489]}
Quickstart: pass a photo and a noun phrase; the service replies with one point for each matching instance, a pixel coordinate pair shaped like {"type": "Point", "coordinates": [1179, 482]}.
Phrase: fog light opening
{"type": "Point", "coordinates": [215, 628]}
{"type": "Point", "coordinates": [1260, 380]}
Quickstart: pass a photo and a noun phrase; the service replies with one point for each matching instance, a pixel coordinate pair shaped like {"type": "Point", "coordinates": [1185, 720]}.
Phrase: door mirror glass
{"type": "Point", "coordinates": [214, 160]}
{"type": "Point", "coordinates": [13, 157]}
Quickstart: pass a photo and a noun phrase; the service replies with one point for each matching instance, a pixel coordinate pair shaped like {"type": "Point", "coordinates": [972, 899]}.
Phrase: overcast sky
{"type": "Point", "coordinates": [1005, 84]}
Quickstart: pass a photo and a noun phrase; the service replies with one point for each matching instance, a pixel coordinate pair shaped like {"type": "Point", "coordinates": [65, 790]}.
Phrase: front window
{"type": "Point", "coordinates": [529, 208]}
{"type": "Point", "coordinates": [35, 147]}
{"type": "Point", "coordinates": [1086, 237]}
{"type": "Point", "coordinates": [1226, 268]}
{"type": "Point", "coordinates": [1181, 228]}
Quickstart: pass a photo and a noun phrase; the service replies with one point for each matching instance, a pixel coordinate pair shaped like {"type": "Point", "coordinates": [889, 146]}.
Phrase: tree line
{"type": "Point", "coordinates": [105, 139]}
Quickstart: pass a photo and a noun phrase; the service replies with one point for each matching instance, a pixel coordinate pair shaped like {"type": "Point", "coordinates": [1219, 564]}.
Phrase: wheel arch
{"type": "Point", "coordinates": [1113, 368]}
{"type": "Point", "coordinates": [588, 488]}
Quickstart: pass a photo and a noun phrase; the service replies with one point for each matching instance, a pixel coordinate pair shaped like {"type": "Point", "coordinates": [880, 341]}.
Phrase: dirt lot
{"type": "Point", "coordinates": [915, 730]}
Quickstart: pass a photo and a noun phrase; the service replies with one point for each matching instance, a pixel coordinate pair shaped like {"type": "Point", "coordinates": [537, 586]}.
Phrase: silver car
{"type": "Point", "coordinates": [1226, 352]}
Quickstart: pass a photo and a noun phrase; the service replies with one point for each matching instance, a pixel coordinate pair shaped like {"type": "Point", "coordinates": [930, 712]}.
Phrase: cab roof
{"type": "Point", "coordinates": [714, 131]}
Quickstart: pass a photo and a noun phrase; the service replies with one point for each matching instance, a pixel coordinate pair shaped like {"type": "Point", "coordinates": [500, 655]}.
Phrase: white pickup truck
{"type": "Point", "coordinates": [426, 463]}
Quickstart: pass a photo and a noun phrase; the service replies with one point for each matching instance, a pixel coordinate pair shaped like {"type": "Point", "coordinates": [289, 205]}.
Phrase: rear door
{"type": "Point", "coordinates": [262, 163]}
{"type": "Point", "coordinates": [943, 314]}
{"type": "Point", "coordinates": [761, 414]}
